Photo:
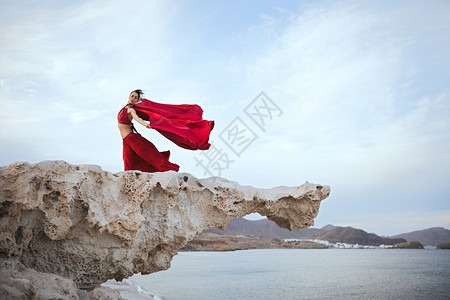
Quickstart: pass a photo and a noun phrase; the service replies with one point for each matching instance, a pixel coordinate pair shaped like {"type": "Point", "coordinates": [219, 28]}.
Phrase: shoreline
{"type": "Point", "coordinates": [130, 290]}
{"type": "Point", "coordinates": [216, 242]}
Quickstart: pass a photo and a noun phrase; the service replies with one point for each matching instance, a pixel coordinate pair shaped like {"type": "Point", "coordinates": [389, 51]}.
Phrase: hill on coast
{"type": "Point", "coordinates": [430, 237]}
{"type": "Point", "coordinates": [267, 229]}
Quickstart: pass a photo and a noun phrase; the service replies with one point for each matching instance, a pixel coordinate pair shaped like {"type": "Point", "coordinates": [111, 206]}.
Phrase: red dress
{"type": "Point", "coordinates": [182, 124]}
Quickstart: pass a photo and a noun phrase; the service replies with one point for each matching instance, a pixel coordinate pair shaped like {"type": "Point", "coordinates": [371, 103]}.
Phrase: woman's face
{"type": "Point", "coordinates": [134, 98]}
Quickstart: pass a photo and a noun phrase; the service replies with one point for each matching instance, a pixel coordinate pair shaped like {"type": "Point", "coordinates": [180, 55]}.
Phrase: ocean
{"type": "Point", "coordinates": [303, 274]}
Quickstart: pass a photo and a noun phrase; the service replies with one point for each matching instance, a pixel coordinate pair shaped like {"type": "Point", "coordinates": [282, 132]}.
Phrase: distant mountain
{"type": "Point", "coordinates": [356, 236]}
{"type": "Point", "coordinates": [267, 229]}
{"type": "Point", "coordinates": [429, 237]}
{"type": "Point", "coordinates": [328, 227]}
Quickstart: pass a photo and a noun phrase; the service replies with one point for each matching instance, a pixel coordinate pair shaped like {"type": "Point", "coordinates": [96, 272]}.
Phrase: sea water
{"type": "Point", "coordinates": [304, 274]}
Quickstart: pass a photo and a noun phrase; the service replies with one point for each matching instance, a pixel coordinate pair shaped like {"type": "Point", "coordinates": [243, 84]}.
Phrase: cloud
{"type": "Point", "coordinates": [342, 72]}
{"type": "Point", "coordinates": [81, 116]}
{"type": "Point", "coordinates": [65, 69]}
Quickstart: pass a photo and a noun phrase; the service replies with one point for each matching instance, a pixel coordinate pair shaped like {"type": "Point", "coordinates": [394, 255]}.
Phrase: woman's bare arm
{"type": "Point", "coordinates": [137, 118]}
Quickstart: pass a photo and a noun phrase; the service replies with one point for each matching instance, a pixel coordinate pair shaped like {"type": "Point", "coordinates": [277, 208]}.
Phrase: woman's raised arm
{"type": "Point", "coordinates": [137, 118]}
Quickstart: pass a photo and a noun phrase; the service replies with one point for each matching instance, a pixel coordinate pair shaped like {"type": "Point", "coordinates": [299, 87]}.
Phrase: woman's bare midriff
{"type": "Point", "coordinates": [124, 130]}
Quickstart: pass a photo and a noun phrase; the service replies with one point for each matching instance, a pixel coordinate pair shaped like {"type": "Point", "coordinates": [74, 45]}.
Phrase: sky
{"type": "Point", "coordinates": [352, 94]}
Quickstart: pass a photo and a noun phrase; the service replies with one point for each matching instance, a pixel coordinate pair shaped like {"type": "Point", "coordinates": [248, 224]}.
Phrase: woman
{"type": "Point", "coordinates": [182, 124]}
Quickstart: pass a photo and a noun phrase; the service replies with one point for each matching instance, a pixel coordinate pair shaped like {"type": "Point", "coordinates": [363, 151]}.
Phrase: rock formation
{"type": "Point", "coordinates": [86, 225]}
{"type": "Point", "coordinates": [443, 246]}
{"type": "Point", "coordinates": [409, 245]}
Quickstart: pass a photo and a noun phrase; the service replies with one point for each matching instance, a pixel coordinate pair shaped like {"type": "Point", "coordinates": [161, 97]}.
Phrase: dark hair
{"type": "Point", "coordinates": [139, 92]}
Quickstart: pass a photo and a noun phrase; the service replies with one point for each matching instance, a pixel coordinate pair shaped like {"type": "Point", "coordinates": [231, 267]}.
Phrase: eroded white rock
{"type": "Point", "coordinates": [90, 225]}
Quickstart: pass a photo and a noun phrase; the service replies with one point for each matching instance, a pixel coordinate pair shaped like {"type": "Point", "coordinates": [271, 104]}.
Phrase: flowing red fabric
{"type": "Point", "coordinates": [140, 154]}
{"type": "Point", "coordinates": [183, 124]}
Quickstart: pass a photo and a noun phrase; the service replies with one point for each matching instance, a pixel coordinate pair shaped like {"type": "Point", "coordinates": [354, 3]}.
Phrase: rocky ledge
{"type": "Point", "coordinates": [68, 228]}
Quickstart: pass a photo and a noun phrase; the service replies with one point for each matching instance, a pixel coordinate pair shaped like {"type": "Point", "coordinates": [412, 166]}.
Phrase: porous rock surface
{"type": "Point", "coordinates": [86, 225]}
